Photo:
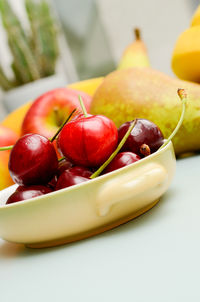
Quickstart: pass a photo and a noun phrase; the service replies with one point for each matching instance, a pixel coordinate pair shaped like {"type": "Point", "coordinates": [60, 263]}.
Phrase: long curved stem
{"type": "Point", "coordinates": [183, 96]}
{"type": "Point", "coordinates": [98, 172]}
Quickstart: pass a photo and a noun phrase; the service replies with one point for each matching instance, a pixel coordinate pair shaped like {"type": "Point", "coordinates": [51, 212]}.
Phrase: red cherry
{"type": "Point", "coordinates": [144, 132]}
{"type": "Point", "coordinates": [33, 160]}
{"type": "Point", "coordinates": [80, 171]}
{"type": "Point", "coordinates": [23, 193]}
{"type": "Point", "coordinates": [121, 160]}
{"type": "Point", "coordinates": [63, 165]}
{"type": "Point", "coordinates": [88, 141]}
{"type": "Point", "coordinates": [68, 179]}
{"type": "Point", "coordinates": [52, 183]}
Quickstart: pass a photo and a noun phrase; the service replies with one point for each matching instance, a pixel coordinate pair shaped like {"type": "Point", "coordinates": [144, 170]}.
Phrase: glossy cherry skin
{"type": "Point", "coordinates": [121, 160]}
{"type": "Point", "coordinates": [63, 165]}
{"type": "Point", "coordinates": [76, 170]}
{"type": "Point", "coordinates": [23, 193]}
{"type": "Point", "coordinates": [144, 132]}
{"type": "Point", "coordinates": [68, 179]}
{"type": "Point", "coordinates": [80, 171]}
{"type": "Point", "coordinates": [88, 141]}
{"type": "Point", "coordinates": [33, 160]}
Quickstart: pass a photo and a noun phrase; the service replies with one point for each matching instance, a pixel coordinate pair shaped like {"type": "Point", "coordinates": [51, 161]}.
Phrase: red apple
{"type": "Point", "coordinates": [48, 111]}
{"type": "Point", "coordinates": [7, 137]}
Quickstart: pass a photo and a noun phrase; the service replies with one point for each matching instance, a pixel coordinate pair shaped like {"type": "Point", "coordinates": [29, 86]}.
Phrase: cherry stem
{"type": "Point", "coordinates": [6, 148]}
{"type": "Point", "coordinates": [82, 106]}
{"type": "Point", "coordinates": [62, 158]}
{"type": "Point", "coordinates": [63, 124]}
{"type": "Point", "coordinates": [98, 172]}
{"type": "Point", "coordinates": [183, 97]}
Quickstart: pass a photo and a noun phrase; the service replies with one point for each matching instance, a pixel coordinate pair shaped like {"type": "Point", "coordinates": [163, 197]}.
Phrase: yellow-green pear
{"type": "Point", "coordinates": [196, 17]}
{"type": "Point", "coordinates": [146, 93]}
{"type": "Point", "coordinates": [135, 54]}
{"type": "Point", "coordinates": [186, 55]}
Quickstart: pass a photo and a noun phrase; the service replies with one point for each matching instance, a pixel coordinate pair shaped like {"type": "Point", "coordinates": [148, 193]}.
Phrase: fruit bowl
{"type": "Point", "coordinates": [89, 208]}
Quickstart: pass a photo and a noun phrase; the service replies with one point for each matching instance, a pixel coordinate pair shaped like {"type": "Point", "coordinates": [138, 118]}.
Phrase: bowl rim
{"type": "Point", "coordinates": [76, 187]}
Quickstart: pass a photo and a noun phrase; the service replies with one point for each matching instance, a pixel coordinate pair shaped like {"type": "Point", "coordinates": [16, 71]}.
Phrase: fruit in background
{"type": "Point", "coordinates": [7, 137]}
{"type": "Point", "coordinates": [186, 55]}
{"type": "Point", "coordinates": [135, 54]}
{"type": "Point", "coordinates": [33, 160]}
{"type": "Point", "coordinates": [14, 119]}
{"type": "Point", "coordinates": [87, 86]}
{"type": "Point", "coordinates": [196, 17]}
{"type": "Point", "coordinates": [146, 93]}
{"type": "Point", "coordinates": [49, 111]}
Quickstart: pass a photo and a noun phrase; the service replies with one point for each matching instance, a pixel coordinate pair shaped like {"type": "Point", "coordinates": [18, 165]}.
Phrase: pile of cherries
{"type": "Point", "coordinates": [90, 144]}
{"type": "Point", "coordinates": [86, 143]}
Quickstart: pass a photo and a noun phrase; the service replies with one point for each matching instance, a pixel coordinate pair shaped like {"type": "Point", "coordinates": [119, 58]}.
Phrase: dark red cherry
{"type": "Point", "coordinates": [80, 171]}
{"type": "Point", "coordinates": [63, 165]}
{"type": "Point", "coordinates": [88, 141]}
{"type": "Point", "coordinates": [144, 132]}
{"type": "Point", "coordinates": [121, 160]}
{"type": "Point", "coordinates": [33, 160]}
{"type": "Point", "coordinates": [23, 193]}
{"type": "Point", "coordinates": [52, 183]}
{"type": "Point", "coordinates": [68, 179]}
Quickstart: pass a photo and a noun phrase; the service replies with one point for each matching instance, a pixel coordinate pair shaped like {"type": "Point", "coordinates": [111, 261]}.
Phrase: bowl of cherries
{"type": "Point", "coordinates": [105, 177]}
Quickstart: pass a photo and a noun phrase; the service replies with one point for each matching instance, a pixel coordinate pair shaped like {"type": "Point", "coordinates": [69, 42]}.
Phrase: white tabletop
{"type": "Point", "coordinates": [154, 258]}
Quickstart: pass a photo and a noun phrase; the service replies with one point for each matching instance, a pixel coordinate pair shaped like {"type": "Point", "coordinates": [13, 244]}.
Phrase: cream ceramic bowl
{"type": "Point", "coordinates": [89, 208]}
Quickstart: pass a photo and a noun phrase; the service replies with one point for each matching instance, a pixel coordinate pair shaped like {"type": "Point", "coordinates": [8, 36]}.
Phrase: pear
{"type": "Point", "coordinates": [146, 93]}
{"type": "Point", "coordinates": [196, 17]}
{"type": "Point", "coordinates": [186, 55]}
{"type": "Point", "coordinates": [135, 54]}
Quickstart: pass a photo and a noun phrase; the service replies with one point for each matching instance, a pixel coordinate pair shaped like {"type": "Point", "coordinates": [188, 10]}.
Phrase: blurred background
{"type": "Point", "coordinates": [80, 39]}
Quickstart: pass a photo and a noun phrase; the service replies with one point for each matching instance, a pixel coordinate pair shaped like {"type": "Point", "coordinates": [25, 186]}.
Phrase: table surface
{"type": "Point", "coordinates": [153, 258]}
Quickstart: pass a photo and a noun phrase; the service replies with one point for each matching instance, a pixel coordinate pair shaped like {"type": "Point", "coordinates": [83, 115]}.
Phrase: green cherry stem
{"type": "Point", "coordinates": [62, 158]}
{"type": "Point", "coordinates": [6, 148]}
{"type": "Point", "coordinates": [82, 106]}
{"type": "Point", "coordinates": [98, 172]}
{"type": "Point", "coordinates": [51, 139]}
{"type": "Point", "coordinates": [63, 124]}
{"type": "Point", "coordinates": [183, 97]}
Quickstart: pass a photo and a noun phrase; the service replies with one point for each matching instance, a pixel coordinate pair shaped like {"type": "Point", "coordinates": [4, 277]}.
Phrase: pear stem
{"type": "Point", "coordinates": [82, 106]}
{"type": "Point", "coordinates": [183, 97]}
{"type": "Point", "coordinates": [6, 148]}
{"type": "Point", "coordinates": [98, 172]}
{"type": "Point", "coordinates": [137, 33]}
{"type": "Point", "coordinates": [63, 124]}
